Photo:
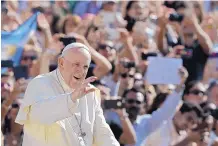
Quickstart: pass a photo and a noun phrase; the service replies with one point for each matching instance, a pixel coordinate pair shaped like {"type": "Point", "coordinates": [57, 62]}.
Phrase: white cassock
{"type": "Point", "coordinates": [48, 115]}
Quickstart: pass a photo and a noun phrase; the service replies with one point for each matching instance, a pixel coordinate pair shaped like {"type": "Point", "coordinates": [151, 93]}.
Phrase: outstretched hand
{"type": "Point", "coordinates": [84, 88]}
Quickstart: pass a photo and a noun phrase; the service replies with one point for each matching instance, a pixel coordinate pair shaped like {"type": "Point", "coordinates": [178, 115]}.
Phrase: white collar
{"type": "Point", "coordinates": [62, 82]}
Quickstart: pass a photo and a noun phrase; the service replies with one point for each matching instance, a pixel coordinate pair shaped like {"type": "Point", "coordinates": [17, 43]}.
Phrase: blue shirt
{"type": "Point", "coordinates": [147, 124]}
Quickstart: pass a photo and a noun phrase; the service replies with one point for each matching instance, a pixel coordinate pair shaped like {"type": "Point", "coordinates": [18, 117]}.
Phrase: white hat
{"type": "Point", "coordinates": [75, 45]}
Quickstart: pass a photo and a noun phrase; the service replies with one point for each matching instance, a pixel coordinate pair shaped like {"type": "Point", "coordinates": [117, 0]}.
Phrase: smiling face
{"type": "Point", "coordinates": [74, 66]}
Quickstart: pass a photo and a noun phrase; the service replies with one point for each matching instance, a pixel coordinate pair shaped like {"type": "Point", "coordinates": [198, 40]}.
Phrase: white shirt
{"type": "Point", "coordinates": [48, 115]}
{"type": "Point", "coordinates": [164, 136]}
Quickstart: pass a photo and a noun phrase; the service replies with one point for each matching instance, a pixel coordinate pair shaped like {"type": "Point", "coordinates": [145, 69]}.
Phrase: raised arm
{"type": "Point", "coordinates": [39, 105]}
{"type": "Point", "coordinates": [165, 112]}
{"type": "Point", "coordinates": [54, 48]}
{"type": "Point", "coordinates": [44, 25]}
{"type": "Point", "coordinates": [160, 34]}
{"type": "Point", "coordinates": [42, 105]}
{"type": "Point", "coordinates": [129, 51]}
{"type": "Point", "coordinates": [203, 38]}
{"type": "Point", "coordinates": [128, 135]}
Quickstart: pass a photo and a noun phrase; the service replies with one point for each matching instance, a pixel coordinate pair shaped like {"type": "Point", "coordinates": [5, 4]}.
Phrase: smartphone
{"type": "Point", "coordinates": [7, 63]}
{"type": "Point", "coordinates": [145, 56]}
{"type": "Point", "coordinates": [128, 64]}
{"type": "Point", "coordinates": [20, 72]}
{"type": "Point", "coordinates": [176, 17]}
{"type": "Point", "coordinates": [67, 40]}
{"type": "Point", "coordinates": [37, 9]}
{"type": "Point", "coordinates": [186, 53]}
{"type": "Point", "coordinates": [114, 104]}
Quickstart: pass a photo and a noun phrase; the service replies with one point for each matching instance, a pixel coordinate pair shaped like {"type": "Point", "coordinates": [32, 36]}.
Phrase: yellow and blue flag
{"type": "Point", "coordinates": [12, 42]}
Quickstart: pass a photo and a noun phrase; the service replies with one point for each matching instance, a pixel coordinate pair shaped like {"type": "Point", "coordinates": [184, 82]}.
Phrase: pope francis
{"type": "Point", "coordinates": [61, 108]}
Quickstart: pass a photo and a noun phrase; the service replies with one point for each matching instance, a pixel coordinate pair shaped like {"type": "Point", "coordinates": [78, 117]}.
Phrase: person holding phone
{"type": "Point", "coordinates": [62, 107]}
{"type": "Point", "coordinates": [191, 36]}
{"type": "Point", "coordinates": [116, 116]}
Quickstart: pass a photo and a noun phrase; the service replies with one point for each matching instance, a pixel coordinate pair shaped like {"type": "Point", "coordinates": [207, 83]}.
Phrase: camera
{"type": "Point", "coordinates": [176, 17]}
{"type": "Point", "coordinates": [145, 56]}
{"type": "Point", "coordinates": [128, 64]}
{"type": "Point", "coordinates": [214, 113]}
{"type": "Point", "coordinates": [114, 104]}
{"type": "Point", "coordinates": [67, 40]}
{"type": "Point", "coordinates": [7, 63]}
{"type": "Point", "coordinates": [20, 72]}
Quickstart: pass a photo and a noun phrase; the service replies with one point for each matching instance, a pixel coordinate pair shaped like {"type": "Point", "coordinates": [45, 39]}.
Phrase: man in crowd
{"type": "Point", "coordinates": [195, 93]}
{"type": "Point", "coordinates": [118, 119]}
{"type": "Point", "coordinates": [62, 108]}
{"type": "Point", "coordinates": [172, 132]}
{"type": "Point", "coordinates": [146, 124]}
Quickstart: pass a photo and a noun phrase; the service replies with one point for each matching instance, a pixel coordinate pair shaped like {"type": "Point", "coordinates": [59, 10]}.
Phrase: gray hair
{"type": "Point", "coordinates": [74, 46]}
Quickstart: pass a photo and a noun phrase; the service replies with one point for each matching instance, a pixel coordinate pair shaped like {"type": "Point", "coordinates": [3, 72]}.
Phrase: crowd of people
{"type": "Point", "coordinates": [121, 36]}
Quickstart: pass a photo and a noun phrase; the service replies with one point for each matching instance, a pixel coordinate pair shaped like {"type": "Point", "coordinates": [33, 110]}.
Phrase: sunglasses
{"type": "Point", "coordinates": [125, 75]}
{"type": "Point", "coordinates": [197, 92]}
{"type": "Point", "coordinates": [103, 47]}
{"type": "Point", "coordinates": [29, 58]}
{"type": "Point", "coordinates": [132, 101]}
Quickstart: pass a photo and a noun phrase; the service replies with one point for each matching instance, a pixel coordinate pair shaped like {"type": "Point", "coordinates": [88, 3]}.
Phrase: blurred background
{"type": "Point", "coordinates": [123, 35]}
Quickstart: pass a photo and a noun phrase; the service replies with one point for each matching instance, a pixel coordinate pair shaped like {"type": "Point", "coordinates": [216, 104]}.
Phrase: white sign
{"type": "Point", "coordinates": [162, 70]}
